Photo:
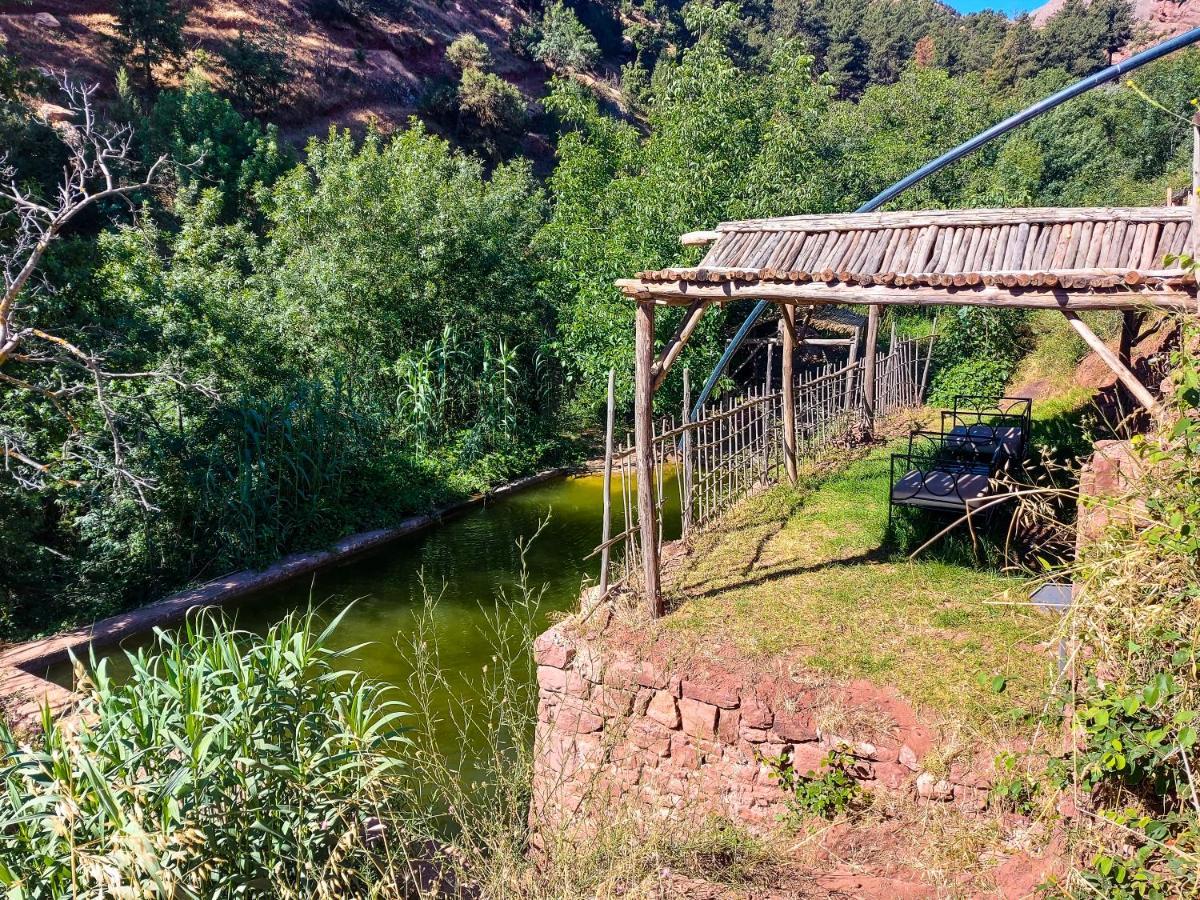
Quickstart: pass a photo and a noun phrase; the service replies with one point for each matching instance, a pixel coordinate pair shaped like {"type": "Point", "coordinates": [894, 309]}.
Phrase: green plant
{"type": "Point", "coordinates": [226, 765]}
{"type": "Point", "coordinates": [825, 794]}
{"type": "Point", "coordinates": [566, 43]}
{"type": "Point", "coordinates": [1013, 789]}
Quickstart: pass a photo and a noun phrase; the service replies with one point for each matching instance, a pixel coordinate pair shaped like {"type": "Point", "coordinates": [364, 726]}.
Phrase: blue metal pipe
{"type": "Point", "coordinates": [1042, 106]}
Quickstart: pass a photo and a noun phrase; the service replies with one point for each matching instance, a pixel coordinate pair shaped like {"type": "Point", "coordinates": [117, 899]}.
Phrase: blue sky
{"type": "Point", "coordinates": [1008, 7]}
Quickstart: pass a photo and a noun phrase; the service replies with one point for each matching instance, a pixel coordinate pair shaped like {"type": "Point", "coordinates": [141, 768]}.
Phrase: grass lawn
{"type": "Point", "coordinates": [805, 573]}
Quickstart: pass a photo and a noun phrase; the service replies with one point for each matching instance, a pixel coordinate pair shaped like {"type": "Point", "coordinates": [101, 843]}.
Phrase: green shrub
{"type": "Point", "coordinates": [566, 42]}
{"type": "Point", "coordinates": [469, 52]}
{"type": "Point", "coordinates": [826, 794]}
{"type": "Point", "coordinates": [227, 765]}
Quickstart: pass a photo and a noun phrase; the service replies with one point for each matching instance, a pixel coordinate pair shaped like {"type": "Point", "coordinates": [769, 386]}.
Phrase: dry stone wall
{"type": "Point", "coordinates": [693, 739]}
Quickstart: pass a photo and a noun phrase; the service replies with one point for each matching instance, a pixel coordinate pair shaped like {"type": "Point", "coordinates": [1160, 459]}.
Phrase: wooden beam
{"type": "Point", "coordinates": [643, 411]}
{"type": "Point", "coordinates": [958, 217]}
{"type": "Point", "coordinates": [869, 367]}
{"type": "Point", "coordinates": [699, 238]}
{"type": "Point", "coordinates": [788, 318]}
{"type": "Point", "coordinates": [851, 359]}
{"type": "Point", "coordinates": [679, 293]}
{"type": "Point", "coordinates": [678, 341]}
{"type": "Point", "coordinates": [1135, 387]}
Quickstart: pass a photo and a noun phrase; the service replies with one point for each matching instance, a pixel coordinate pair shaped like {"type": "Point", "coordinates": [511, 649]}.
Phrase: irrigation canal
{"type": "Point", "coordinates": [469, 562]}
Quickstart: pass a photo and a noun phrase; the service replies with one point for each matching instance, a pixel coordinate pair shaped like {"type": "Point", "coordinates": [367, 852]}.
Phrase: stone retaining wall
{"type": "Point", "coordinates": [693, 739]}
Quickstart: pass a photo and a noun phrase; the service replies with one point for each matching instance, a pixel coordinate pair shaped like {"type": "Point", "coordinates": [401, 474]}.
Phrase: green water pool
{"type": "Point", "coordinates": [468, 562]}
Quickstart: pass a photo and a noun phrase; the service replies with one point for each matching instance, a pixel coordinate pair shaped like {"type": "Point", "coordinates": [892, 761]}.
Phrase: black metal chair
{"type": "Point", "coordinates": [941, 472]}
{"type": "Point", "coordinates": [991, 423]}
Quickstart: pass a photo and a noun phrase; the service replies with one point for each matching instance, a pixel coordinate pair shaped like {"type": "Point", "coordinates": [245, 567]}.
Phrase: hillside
{"type": "Point", "coordinates": [347, 69]}
{"type": "Point", "coordinates": [1161, 18]}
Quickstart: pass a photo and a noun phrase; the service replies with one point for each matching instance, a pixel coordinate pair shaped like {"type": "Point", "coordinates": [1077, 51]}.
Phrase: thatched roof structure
{"type": "Point", "coordinates": [1084, 258]}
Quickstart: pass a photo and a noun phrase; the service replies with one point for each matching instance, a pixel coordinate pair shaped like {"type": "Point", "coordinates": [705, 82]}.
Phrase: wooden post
{"type": "Point", "coordinates": [789, 391]}
{"type": "Point", "coordinates": [1135, 387]}
{"type": "Point", "coordinates": [765, 408]}
{"type": "Point", "coordinates": [606, 528]}
{"type": "Point", "coordinates": [1194, 243]}
{"type": "Point", "coordinates": [851, 361]}
{"type": "Point", "coordinates": [685, 470]}
{"type": "Point", "coordinates": [643, 428]}
{"type": "Point", "coordinates": [869, 367]}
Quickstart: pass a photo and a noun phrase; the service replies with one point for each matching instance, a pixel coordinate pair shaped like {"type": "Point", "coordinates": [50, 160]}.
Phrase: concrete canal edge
{"type": "Point", "coordinates": [23, 691]}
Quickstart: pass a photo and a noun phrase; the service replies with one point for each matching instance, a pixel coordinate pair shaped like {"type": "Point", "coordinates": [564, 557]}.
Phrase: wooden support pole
{"type": "Point", "coordinates": [1135, 387]}
{"type": "Point", "coordinates": [1194, 243]}
{"type": "Point", "coordinates": [851, 360]}
{"type": "Point", "coordinates": [678, 341]}
{"type": "Point", "coordinates": [643, 428]}
{"type": "Point", "coordinates": [685, 470]}
{"type": "Point", "coordinates": [869, 367]}
{"type": "Point", "coordinates": [789, 392]}
{"type": "Point", "coordinates": [606, 527]}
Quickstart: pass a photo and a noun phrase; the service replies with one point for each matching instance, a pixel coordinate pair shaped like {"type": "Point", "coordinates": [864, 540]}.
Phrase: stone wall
{"type": "Point", "coordinates": [692, 738]}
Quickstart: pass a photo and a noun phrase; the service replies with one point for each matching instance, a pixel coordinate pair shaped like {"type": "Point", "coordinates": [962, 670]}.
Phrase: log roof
{"type": "Point", "coordinates": [1092, 257]}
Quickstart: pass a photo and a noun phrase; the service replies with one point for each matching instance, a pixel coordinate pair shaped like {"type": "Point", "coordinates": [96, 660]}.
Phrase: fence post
{"type": "Point", "coordinates": [869, 367]}
{"type": "Point", "coordinates": [851, 361]}
{"type": "Point", "coordinates": [685, 471]}
{"type": "Point", "coordinates": [643, 408]}
{"type": "Point", "coordinates": [764, 415]}
{"type": "Point", "coordinates": [606, 528]}
{"type": "Point", "coordinates": [789, 399]}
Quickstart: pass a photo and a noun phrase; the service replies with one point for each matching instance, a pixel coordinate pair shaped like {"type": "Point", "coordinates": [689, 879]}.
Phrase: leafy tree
{"type": "Point", "coordinates": [846, 61]}
{"type": "Point", "coordinates": [258, 70]}
{"type": "Point", "coordinates": [149, 33]}
{"type": "Point", "coordinates": [566, 44]}
{"type": "Point", "coordinates": [469, 52]}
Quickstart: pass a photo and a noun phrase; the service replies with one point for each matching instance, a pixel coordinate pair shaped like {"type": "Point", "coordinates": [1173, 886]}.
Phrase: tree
{"type": "Point", "coordinates": [487, 103]}
{"type": "Point", "coordinates": [566, 44]}
{"type": "Point", "coordinates": [925, 53]}
{"type": "Point", "coordinates": [469, 52]}
{"type": "Point", "coordinates": [846, 61]}
{"type": "Point", "coordinates": [257, 70]}
{"type": "Point", "coordinates": [34, 359]}
{"type": "Point", "coordinates": [149, 33]}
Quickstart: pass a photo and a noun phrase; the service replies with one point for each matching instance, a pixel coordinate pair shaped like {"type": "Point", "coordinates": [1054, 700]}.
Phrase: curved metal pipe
{"type": "Point", "coordinates": [1000, 128]}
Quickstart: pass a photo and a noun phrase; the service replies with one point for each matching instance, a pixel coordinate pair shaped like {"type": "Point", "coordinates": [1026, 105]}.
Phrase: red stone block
{"type": "Point", "coordinates": [718, 689]}
{"type": "Point", "coordinates": [650, 736]}
{"type": "Point", "coordinates": [728, 726]}
{"type": "Point", "coordinates": [550, 649]}
{"type": "Point", "coordinates": [662, 709]}
{"type": "Point", "coordinates": [753, 735]}
{"type": "Point", "coordinates": [562, 681]}
{"type": "Point", "coordinates": [808, 757]}
{"type": "Point", "coordinates": [699, 718]}
{"type": "Point", "coordinates": [794, 726]}
{"type": "Point", "coordinates": [610, 701]}
{"type": "Point", "coordinates": [652, 675]}
{"type": "Point", "coordinates": [683, 754]}
{"type": "Point", "coordinates": [573, 718]}
{"type": "Point", "coordinates": [756, 712]}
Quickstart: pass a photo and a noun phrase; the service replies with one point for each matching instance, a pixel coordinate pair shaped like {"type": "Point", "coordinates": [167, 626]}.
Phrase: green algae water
{"type": "Point", "coordinates": [467, 563]}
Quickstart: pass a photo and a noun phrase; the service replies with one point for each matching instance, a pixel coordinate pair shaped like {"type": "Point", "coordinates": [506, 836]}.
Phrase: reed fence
{"type": "Point", "coordinates": [735, 446]}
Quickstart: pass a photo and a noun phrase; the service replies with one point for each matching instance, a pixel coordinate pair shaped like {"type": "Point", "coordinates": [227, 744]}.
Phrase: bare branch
{"type": "Point", "coordinates": [99, 164]}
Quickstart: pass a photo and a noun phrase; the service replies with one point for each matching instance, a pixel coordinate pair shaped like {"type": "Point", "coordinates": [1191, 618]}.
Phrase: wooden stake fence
{"type": "Point", "coordinates": [737, 444]}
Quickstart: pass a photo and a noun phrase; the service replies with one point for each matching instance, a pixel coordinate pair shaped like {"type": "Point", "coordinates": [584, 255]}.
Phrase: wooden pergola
{"type": "Point", "coordinates": [1095, 258]}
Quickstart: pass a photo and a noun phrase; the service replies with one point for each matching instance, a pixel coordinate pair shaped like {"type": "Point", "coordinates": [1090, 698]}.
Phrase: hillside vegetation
{"type": "Point", "coordinates": [269, 347]}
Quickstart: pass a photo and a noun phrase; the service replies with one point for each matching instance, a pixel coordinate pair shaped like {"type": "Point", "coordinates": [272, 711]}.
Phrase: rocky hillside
{"type": "Point", "coordinates": [348, 69]}
{"type": "Point", "coordinates": [1162, 18]}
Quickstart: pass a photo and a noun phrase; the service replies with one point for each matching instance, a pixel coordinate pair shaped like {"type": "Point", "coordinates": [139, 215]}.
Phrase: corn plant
{"type": "Point", "coordinates": [227, 765]}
